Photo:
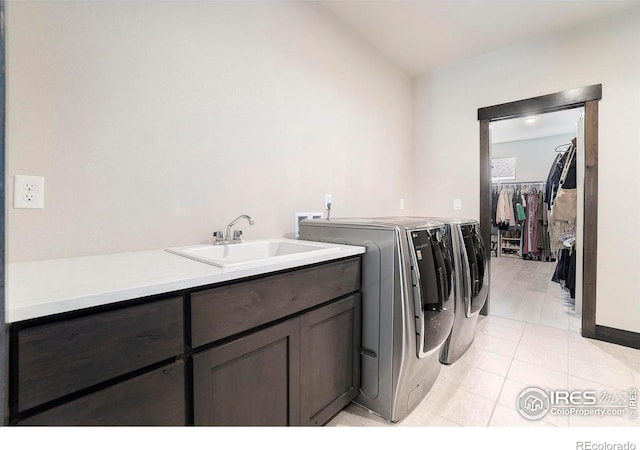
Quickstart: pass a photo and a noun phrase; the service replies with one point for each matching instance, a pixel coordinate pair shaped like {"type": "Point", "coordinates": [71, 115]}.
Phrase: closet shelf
{"type": "Point", "coordinates": [507, 245]}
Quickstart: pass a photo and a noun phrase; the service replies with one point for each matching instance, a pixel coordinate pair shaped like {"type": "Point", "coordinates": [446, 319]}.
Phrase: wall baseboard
{"type": "Point", "coordinates": [617, 336]}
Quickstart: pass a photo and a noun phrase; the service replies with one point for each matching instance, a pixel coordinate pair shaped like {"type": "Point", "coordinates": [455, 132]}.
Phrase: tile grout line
{"type": "Point", "coordinates": [443, 417]}
{"type": "Point", "coordinates": [462, 388]}
{"type": "Point", "coordinates": [548, 299]}
{"type": "Point", "coordinates": [569, 369]}
{"type": "Point", "coordinates": [495, 404]}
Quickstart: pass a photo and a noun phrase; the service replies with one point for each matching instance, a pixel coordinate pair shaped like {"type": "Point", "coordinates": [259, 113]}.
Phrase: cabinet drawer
{"type": "Point", "coordinates": [62, 357]}
{"type": "Point", "coordinates": [220, 312]}
{"type": "Point", "coordinates": [155, 398]}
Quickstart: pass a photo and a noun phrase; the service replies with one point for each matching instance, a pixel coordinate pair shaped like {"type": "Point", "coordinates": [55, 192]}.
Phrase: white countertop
{"type": "Point", "coordinates": [42, 288]}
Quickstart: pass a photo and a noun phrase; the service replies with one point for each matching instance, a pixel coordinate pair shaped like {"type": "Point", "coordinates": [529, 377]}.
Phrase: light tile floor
{"type": "Point", "coordinates": [538, 346]}
{"type": "Point", "coordinates": [523, 290]}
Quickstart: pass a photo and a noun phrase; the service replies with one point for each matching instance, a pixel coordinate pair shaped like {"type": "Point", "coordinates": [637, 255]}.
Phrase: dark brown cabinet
{"type": "Point", "coordinates": [299, 372]}
{"type": "Point", "coordinates": [251, 381]}
{"type": "Point", "coordinates": [65, 356]}
{"type": "Point", "coordinates": [275, 350]}
{"type": "Point", "coordinates": [329, 358]}
{"type": "Point", "coordinates": [154, 398]}
{"type": "Point", "coordinates": [227, 310]}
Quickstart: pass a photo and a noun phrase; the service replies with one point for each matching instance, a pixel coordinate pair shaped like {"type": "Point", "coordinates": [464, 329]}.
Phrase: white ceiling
{"type": "Point", "coordinates": [419, 35]}
{"type": "Point", "coordinates": [542, 125]}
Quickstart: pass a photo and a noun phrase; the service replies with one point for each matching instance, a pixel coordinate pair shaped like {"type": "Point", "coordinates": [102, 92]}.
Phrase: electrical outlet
{"type": "Point", "coordinates": [401, 203]}
{"type": "Point", "coordinates": [327, 200]}
{"type": "Point", "coordinates": [457, 204]}
{"type": "Point", "coordinates": [28, 192]}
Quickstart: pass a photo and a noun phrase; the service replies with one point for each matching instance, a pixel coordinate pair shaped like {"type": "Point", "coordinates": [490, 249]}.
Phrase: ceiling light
{"type": "Point", "coordinates": [530, 120]}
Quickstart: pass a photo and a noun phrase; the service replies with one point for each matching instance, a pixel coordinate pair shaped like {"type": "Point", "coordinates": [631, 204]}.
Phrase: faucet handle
{"type": "Point", "coordinates": [237, 235]}
{"type": "Point", "coordinates": [218, 237]}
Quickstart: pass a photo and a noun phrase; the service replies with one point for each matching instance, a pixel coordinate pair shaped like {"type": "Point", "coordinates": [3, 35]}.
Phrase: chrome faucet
{"type": "Point", "coordinates": [218, 238]}
{"type": "Point", "coordinates": [237, 234]}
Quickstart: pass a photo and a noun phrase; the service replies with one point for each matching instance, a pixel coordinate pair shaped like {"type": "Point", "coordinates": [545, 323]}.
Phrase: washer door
{"type": "Point", "coordinates": [474, 266]}
{"type": "Point", "coordinates": [432, 279]}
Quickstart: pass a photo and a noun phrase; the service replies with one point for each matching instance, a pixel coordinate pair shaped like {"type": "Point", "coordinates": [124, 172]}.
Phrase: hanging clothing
{"type": "Point", "coordinates": [562, 233]}
{"type": "Point", "coordinates": [565, 272]}
{"type": "Point", "coordinates": [555, 173]}
{"type": "Point", "coordinates": [557, 230]}
{"type": "Point", "coordinates": [530, 227]}
{"type": "Point", "coordinates": [553, 179]}
{"type": "Point", "coordinates": [565, 203]}
{"type": "Point", "coordinates": [504, 210]}
{"type": "Point", "coordinates": [543, 233]}
{"type": "Point", "coordinates": [494, 205]}
{"type": "Point", "coordinates": [570, 180]}
{"type": "Point", "coordinates": [512, 215]}
{"type": "Point", "coordinates": [519, 214]}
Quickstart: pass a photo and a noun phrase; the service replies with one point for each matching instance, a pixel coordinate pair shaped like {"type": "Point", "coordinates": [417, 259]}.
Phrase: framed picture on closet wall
{"type": "Point", "coordinates": [503, 168]}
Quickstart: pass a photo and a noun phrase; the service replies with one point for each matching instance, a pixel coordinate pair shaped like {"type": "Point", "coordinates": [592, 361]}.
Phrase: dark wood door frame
{"type": "Point", "coordinates": [587, 97]}
{"type": "Point", "coordinates": [4, 347]}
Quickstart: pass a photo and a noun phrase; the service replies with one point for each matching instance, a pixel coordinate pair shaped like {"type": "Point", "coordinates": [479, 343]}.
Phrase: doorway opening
{"type": "Point", "coordinates": [535, 241]}
{"type": "Point", "coordinates": [588, 97]}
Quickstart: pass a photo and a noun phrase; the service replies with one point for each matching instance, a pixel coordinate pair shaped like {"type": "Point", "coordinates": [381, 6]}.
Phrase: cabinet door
{"type": "Point", "coordinates": [251, 381]}
{"type": "Point", "coordinates": [329, 356]}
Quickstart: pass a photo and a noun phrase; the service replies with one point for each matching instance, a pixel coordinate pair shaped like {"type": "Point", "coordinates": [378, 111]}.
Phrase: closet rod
{"type": "Point", "coordinates": [498, 183]}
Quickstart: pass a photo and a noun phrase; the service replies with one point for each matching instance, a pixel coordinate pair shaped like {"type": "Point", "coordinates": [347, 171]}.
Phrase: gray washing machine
{"type": "Point", "coordinates": [471, 284]}
{"type": "Point", "coordinates": [407, 305]}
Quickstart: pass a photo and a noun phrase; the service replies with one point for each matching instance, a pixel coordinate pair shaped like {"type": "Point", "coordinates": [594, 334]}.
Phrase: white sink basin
{"type": "Point", "coordinates": [251, 252]}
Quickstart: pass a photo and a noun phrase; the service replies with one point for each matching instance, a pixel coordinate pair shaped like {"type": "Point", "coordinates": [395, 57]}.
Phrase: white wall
{"type": "Point", "coordinates": [156, 123]}
{"type": "Point", "coordinates": [447, 137]}
{"type": "Point", "coordinates": [533, 156]}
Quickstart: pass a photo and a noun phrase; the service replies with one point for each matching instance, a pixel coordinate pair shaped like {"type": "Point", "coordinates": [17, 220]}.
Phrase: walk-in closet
{"type": "Point", "coordinates": [535, 241]}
